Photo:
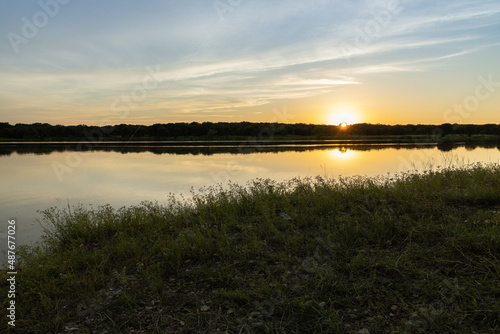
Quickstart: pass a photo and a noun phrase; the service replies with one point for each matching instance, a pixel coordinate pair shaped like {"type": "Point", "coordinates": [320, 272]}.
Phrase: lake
{"type": "Point", "coordinates": [36, 177]}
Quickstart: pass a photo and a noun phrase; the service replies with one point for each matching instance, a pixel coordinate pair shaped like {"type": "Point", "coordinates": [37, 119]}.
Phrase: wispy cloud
{"type": "Point", "coordinates": [92, 53]}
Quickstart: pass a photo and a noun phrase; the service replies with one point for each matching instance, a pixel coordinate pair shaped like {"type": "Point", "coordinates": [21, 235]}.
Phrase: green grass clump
{"type": "Point", "coordinates": [411, 253]}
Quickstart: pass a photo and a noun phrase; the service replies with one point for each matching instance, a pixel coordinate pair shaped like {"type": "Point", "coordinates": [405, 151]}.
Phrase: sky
{"type": "Point", "coordinates": [101, 62]}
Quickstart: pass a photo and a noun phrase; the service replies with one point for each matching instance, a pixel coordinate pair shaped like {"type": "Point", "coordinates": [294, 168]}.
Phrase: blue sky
{"type": "Point", "coordinates": [316, 61]}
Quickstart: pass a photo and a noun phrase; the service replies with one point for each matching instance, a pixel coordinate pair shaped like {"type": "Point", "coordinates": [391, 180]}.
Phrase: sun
{"type": "Point", "coordinates": [343, 116]}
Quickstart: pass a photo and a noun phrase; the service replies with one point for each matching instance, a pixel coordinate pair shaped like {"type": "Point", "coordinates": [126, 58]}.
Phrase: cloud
{"type": "Point", "coordinates": [92, 53]}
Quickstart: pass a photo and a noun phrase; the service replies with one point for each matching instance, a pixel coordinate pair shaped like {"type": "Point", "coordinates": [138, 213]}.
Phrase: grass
{"type": "Point", "coordinates": [409, 253]}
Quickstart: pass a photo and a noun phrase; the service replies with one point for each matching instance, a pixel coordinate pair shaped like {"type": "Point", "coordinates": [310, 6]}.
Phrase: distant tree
{"type": "Point", "coordinates": [45, 131]}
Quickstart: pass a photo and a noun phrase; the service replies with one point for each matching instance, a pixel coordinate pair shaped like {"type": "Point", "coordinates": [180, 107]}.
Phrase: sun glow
{"type": "Point", "coordinates": [343, 116]}
{"type": "Point", "coordinates": [342, 153]}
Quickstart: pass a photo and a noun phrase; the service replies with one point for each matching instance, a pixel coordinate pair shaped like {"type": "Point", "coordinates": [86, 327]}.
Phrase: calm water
{"type": "Point", "coordinates": [121, 178]}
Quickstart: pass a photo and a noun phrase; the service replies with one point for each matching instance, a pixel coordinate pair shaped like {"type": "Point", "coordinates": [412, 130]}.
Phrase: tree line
{"type": "Point", "coordinates": [226, 130]}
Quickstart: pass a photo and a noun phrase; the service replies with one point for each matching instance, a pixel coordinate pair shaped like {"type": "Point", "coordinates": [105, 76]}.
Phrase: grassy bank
{"type": "Point", "coordinates": [416, 253]}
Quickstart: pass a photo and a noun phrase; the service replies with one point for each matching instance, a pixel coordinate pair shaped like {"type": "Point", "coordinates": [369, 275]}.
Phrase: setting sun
{"type": "Point", "coordinates": [343, 116]}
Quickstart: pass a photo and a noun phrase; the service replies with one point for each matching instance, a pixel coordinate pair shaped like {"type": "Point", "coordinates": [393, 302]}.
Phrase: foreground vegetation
{"type": "Point", "coordinates": [412, 253]}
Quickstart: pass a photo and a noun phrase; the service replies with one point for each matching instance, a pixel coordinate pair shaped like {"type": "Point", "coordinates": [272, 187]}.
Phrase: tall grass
{"type": "Point", "coordinates": [414, 253]}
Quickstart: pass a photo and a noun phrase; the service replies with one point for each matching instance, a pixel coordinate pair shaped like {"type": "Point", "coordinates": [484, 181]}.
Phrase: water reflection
{"type": "Point", "coordinates": [344, 150]}
{"type": "Point", "coordinates": [342, 153]}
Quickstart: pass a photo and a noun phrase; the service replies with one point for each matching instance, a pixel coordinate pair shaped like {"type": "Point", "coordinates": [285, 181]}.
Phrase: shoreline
{"type": "Point", "coordinates": [274, 141]}
{"type": "Point", "coordinates": [411, 254]}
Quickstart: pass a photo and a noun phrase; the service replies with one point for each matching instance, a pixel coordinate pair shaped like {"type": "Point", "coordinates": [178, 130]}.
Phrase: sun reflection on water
{"type": "Point", "coordinates": [342, 153]}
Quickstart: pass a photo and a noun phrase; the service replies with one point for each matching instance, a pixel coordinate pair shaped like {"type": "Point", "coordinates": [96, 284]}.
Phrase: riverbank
{"type": "Point", "coordinates": [409, 253]}
{"type": "Point", "coordinates": [248, 131]}
{"type": "Point", "coordinates": [269, 139]}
